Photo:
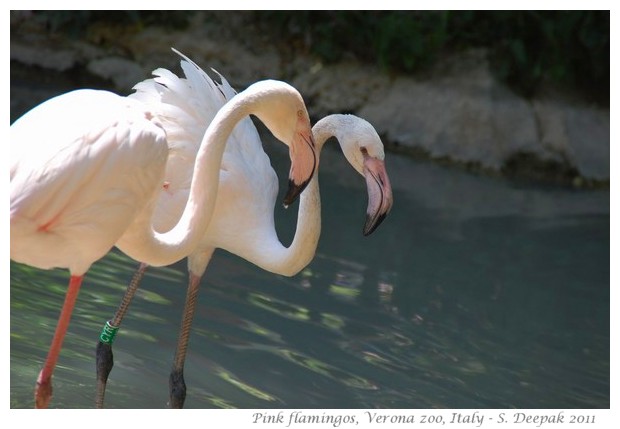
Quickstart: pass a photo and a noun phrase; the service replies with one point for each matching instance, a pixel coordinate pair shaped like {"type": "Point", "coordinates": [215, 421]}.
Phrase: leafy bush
{"type": "Point", "coordinates": [76, 22]}
{"type": "Point", "coordinates": [567, 48]}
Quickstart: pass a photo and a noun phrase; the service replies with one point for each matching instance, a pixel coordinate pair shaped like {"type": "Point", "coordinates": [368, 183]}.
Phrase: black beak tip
{"type": "Point", "coordinates": [372, 223]}
{"type": "Point", "coordinates": [293, 192]}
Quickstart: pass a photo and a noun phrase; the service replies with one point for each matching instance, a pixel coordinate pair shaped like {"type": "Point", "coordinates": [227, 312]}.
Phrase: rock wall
{"type": "Point", "coordinates": [463, 114]}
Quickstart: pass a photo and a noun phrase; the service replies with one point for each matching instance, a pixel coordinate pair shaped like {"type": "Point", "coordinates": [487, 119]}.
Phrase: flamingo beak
{"type": "Point", "coordinates": [379, 193]}
{"type": "Point", "coordinates": [303, 164]}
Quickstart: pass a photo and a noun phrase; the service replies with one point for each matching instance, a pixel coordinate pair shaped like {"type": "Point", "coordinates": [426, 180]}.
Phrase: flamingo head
{"type": "Point", "coordinates": [380, 198]}
{"type": "Point", "coordinates": [364, 150]}
{"type": "Point", "coordinates": [284, 113]}
{"type": "Point", "coordinates": [303, 158]}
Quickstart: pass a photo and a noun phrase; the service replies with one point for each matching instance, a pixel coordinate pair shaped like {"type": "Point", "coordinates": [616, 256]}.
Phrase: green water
{"type": "Point", "coordinates": [474, 293]}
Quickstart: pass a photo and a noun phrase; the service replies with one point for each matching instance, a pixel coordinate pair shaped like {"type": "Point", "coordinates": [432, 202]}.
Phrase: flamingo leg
{"type": "Point", "coordinates": [105, 358]}
{"type": "Point", "coordinates": [176, 381]}
{"type": "Point", "coordinates": [43, 388]}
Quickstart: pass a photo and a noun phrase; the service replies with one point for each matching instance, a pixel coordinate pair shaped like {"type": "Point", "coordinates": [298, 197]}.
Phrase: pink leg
{"type": "Point", "coordinates": [176, 380]}
{"type": "Point", "coordinates": [43, 389]}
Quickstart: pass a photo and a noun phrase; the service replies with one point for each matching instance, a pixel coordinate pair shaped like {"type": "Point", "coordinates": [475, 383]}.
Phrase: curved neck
{"type": "Point", "coordinates": [269, 253]}
{"type": "Point", "coordinates": [142, 242]}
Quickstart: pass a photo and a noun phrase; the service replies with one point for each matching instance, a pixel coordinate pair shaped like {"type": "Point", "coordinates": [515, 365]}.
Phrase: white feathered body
{"type": "Point", "coordinates": [82, 165]}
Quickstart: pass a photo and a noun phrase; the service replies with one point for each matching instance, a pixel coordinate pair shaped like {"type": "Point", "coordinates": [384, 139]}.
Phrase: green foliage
{"type": "Point", "coordinates": [396, 40]}
{"type": "Point", "coordinates": [77, 22]}
{"type": "Point", "coordinates": [567, 48]}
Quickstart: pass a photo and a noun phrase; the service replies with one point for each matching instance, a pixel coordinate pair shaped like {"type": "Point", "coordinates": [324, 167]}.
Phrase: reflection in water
{"type": "Point", "coordinates": [440, 308]}
{"type": "Point", "coordinates": [350, 380]}
{"type": "Point", "coordinates": [279, 307]}
{"type": "Point", "coordinates": [227, 376]}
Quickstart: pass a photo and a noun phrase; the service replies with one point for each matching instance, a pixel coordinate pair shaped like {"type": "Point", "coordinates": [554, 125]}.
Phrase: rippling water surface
{"type": "Point", "coordinates": [475, 292]}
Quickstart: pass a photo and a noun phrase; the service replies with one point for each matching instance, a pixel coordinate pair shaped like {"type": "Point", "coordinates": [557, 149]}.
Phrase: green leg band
{"type": "Point", "coordinates": [108, 333]}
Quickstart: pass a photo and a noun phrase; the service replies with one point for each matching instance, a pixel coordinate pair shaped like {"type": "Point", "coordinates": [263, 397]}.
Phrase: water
{"type": "Point", "coordinates": [475, 292]}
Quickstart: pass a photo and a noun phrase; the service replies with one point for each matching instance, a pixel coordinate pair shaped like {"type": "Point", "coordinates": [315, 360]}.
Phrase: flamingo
{"type": "Point", "coordinates": [243, 221]}
{"type": "Point", "coordinates": [85, 170]}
